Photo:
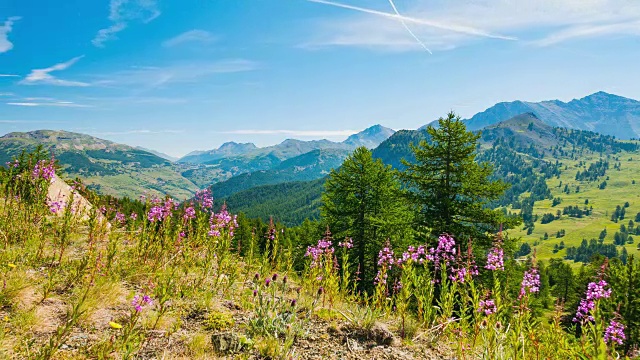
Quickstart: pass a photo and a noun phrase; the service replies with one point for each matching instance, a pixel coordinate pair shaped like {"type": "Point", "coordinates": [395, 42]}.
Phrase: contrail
{"type": "Point", "coordinates": [449, 27]}
{"type": "Point", "coordinates": [406, 27]}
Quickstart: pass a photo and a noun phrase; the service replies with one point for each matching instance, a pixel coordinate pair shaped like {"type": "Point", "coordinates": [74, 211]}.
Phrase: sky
{"type": "Point", "coordinates": [183, 75]}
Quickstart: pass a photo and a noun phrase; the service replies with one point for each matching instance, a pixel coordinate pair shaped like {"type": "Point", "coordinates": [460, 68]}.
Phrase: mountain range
{"type": "Point", "coordinates": [600, 112]}
{"type": "Point", "coordinates": [239, 167]}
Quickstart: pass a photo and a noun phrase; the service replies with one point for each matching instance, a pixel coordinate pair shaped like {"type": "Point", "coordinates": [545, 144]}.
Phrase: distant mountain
{"type": "Point", "coordinates": [309, 166]}
{"type": "Point", "coordinates": [227, 149]}
{"type": "Point", "coordinates": [105, 166]}
{"type": "Point", "coordinates": [370, 137]}
{"type": "Point", "coordinates": [600, 112]}
{"type": "Point", "coordinates": [158, 153]}
{"type": "Point", "coordinates": [523, 151]}
{"type": "Point", "coordinates": [214, 166]}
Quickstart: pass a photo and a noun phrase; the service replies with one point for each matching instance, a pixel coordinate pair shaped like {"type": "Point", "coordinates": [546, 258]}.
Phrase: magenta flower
{"type": "Point", "coordinates": [347, 244]}
{"type": "Point", "coordinates": [44, 170]}
{"type": "Point", "coordinates": [139, 302]}
{"type": "Point", "coordinates": [614, 333]}
{"type": "Point", "coordinates": [56, 206]}
{"type": "Point", "coordinates": [205, 198]}
{"type": "Point", "coordinates": [445, 251]}
{"type": "Point", "coordinates": [488, 307]}
{"type": "Point", "coordinates": [495, 259]}
{"type": "Point", "coordinates": [530, 282]}
{"type": "Point", "coordinates": [595, 292]}
{"type": "Point", "coordinates": [189, 213]}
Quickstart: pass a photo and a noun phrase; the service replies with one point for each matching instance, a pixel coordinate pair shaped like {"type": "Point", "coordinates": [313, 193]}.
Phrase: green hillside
{"type": "Point", "coordinates": [106, 167]}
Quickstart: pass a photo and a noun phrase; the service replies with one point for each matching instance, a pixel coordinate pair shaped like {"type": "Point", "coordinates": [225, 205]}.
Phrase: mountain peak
{"type": "Point", "coordinates": [370, 137]}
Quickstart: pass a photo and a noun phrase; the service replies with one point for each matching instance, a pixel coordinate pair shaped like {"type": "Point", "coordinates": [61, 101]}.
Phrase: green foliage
{"type": "Point", "coordinates": [449, 189]}
{"type": "Point", "coordinates": [362, 201]}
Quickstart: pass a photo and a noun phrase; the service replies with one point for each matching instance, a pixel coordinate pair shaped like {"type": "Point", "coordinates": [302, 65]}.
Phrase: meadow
{"type": "Point", "coordinates": [169, 280]}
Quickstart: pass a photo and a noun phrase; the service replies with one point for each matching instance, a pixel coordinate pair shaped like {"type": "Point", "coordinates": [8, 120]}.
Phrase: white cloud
{"type": "Point", "coordinates": [43, 76]}
{"type": "Point", "coordinates": [121, 13]}
{"type": "Point", "coordinates": [301, 133]}
{"type": "Point", "coordinates": [5, 44]}
{"type": "Point", "coordinates": [9, 75]}
{"type": "Point", "coordinates": [191, 36]}
{"type": "Point", "coordinates": [156, 76]}
{"type": "Point", "coordinates": [51, 103]}
{"type": "Point", "coordinates": [540, 22]}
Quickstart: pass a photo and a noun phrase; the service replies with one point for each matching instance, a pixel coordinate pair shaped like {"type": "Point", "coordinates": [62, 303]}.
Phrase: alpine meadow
{"type": "Point", "coordinates": [308, 228]}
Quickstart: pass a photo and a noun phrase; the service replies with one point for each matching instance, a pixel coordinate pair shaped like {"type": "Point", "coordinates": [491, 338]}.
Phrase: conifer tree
{"type": "Point", "coordinates": [362, 201]}
{"type": "Point", "coordinates": [449, 189]}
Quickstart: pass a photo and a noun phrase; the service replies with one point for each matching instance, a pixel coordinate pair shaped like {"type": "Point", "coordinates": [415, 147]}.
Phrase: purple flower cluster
{"type": "Point", "coordinates": [139, 302]}
{"type": "Point", "coordinates": [445, 251]}
{"type": "Point", "coordinates": [495, 259]}
{"type": "Point", "coordinates": [120, 218]}
{"type": "Point", "coordinates": [14, 163]}
{"type": "Point", "coordinates": [189, 213]}
{"type": "Point", "coordinates": [595, 292]}
{"type": "Point", "coordinates": [55, 206]}
{"type": "Point", "coordinates": [530, 282]}
{"type": "Point", "coordinates": [415, 254]}
{"type": "Point", "coordinates": [315, 252]}
{"type": "Point", "coordinates": [488, 307]}
{"type": "Point", "coordinates": [385, 257]}
{"type": "Point", "coordinates": [162, 212]}
{"type": "Point", "coordinates": [347, 244]}
{"type": "Point", "coordinates": [44, 169]}
{"type": "Point", "coordinates": [205, 198]}
{"type": "Point", "coordinates": [614, 333]}
{"type": "Point", "coordinates": [222, 220]}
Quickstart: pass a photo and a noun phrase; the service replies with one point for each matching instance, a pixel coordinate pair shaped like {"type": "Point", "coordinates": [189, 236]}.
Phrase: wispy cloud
{"type": "Point", "coordinates": [585, 31]}
{"type": "Point", "coordinates": [156, 76]}
{"type": "Point", "coordinates": [301, 133]}
{"type": "Point", "coordinates": [8, 75]}
{"type": "Point", "coordinates": [43, 76]}
{"type": "Point", "coordinates": [121, 13]}
{"type": "Point", "coordinates": [5, 44]}
{"type": "Point", "coordinates": [452, 24]}
{"type": "Point", "coordinates": [50, 103]}
{"type": "Point", "coordinates": [191, 36]}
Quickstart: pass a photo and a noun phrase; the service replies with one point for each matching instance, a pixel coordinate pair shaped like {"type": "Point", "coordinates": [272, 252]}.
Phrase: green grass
{"type": "Point", "coordinates": [618, 191]}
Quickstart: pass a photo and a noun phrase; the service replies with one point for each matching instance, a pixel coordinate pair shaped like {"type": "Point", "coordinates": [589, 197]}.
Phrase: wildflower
{"type": "Point", "coordinates": [385, 256]}
{"type": "Point", "coordinates": [274, 277]}
{"type": "Point", "coordinates": [347, 244]}
{"type": "Point", "coordinates": [11, 265]}
{"type": "Point", "coordinates": [255, 292]}
{"type": "Point", "coordinates": [205, 198]}
{"type": "Point", "coordinates": [55, 206]}
{"type": "Point", "coordinates": [44, 170]}
{"type": "Point", "coordinates": [320, 290]}
{"type": "Point", "coordinates": [189, 213]}
{"type": "Point", "coordinates": [495, 259]}
{"type": "Point", "coordinates": [487, 306]}
{"type": "Point", "coordinates": [267, 281]}
{"type": "Point", "coordinates": [139, 302]}
{"type": "Point", "coordinates": [120, 217]}
{"type": "Point", "coordinates": [595, 292]}
{"type": "Point", "coordinates": [115, 325]}
{"type": "Point", "coordinates": [222, 220]}
{"type": "Point", "coordinates": [134, 216]}
{"type": "Point", "coordinates": [444, 252]}
{"type": "Point", "coordinates": [284, 279]}
{"type": "Point", "coordinates": [256, 277]}
{"type": "Point", "coordinates": [614, 333]}
{"type": "Point", "coordinates": [293, 302]}
{"type": "Point", "coordinates": [530, 282]}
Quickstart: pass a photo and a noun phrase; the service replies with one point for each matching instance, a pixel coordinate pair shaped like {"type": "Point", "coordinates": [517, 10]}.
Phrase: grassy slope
{"type": "Point", "coordinates": [619, 190]}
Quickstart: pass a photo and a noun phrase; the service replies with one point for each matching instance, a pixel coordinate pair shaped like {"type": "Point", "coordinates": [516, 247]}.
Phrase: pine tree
{"type": "Point", "coordinates": [449, 189]}
{"type": "Point", "coordinates": [362, 201]}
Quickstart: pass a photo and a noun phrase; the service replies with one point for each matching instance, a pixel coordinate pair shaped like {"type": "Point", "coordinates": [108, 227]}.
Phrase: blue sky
{"type": "Point", "coordinates": [176, 75]}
